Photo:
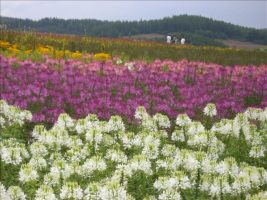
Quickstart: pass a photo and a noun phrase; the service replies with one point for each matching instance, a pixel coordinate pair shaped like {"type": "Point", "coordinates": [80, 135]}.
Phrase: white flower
{"type": "Point", "coordinates": [116, 156]}
{"type": "Point", "coordinates": [38, 130]}
{"type": "Point", "coordinates": [127, 139]}
{"type": "Point", "coordinates": [74, 141]}
{"type": "Point", "coordinates": [77, 154]}
{"type": "Point", "coordinates": [115, 123]}
{"type": "Point", "coordinates": [95, 163]}
{"type": "Point", "coordinates": [3, 193]}
{"type": "Point", "coordinates": [45, 192]}
{"type": "Point", "coordinates": [169, 150]}
{"type": "Point", "coordinates": [195, 128]}
{"type": "Point", "coordinates": [214, 190]}
{"type": "Point", "coordinates": [177, 181]}
{"type": "Point", "coordinates": [2, 122]}
{"type": "Point", "coordinates": [199, 140]}
{"type": "Point", "coordinates": [170, 194]}
{"type": "Point", "coordinates": [129, 65]}
{"type": "Point", "coordinates": [38, 162]}
{"type": "Point", "coordinates": [257, 152]}
{"type": "Point", "coordinates": [162, 120]}
{"type": "Point", "coordinates": [222, 168]}
{"type": "Point", "coordinates": [80, 126]}
{"type": "Point", "coordinates": [254, 113]}
{"type": "Point", "coordinates": [12, 115]}
{"type": "Point", "coordinates": [232, 166]}
{"type": "Point", "coordinates": [55, 138]}
{"type": "Point", "coordinates": [239, 121]}
{"type": "Point", "coordinates": [190, 163]}
{"type": "Point", "coordinates": [178, 135]}
{"type": "Point", "coordinates": [151, 147]}
{"type": "Point", "coordinates": [210, 110]}
{"type": "Point", "coordinates": [16, 193]}
{"type": "Point", "coordinates": [52, 178]}
{"type": "Point", "coordinates": [65, 121]}
{"type": "Point", "coordinates": [164, 183]}
{"type": "Point", "coordinates": [241, 184]}
{"type": "Point", "coordinates": [224, 127]}
{"type": "Point", "coordinates": [27, 173]}
{"type": "Point", "coordinates": [119, 61]}
{"type": "Point", "coordinates": [91, 192]}
{"type": "Point", "coordinates": [141, 113]}
{"type": "Point", "coordinates": [140, 163]}
{"type": "Point", "coordinates": [38, 149]}
{"type": "Point", "coordinates": [112, 190]}
{"type": "Point", "coordinates": [94, 135]}
{"type": "Point", "coordinates": [71, 190]}
{"type": "Point", "coordinates": [183, 120]}
{"type": "Point", "coordinates": [12, 152]}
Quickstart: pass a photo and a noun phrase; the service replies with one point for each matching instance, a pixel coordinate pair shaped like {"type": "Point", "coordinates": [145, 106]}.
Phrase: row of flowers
{"type": "Point", "coordinates": [69, 46]}
{"type": "Point", "coordinates": [93, 159]}
{"type": "Point", "coordinates": [50, 51]}
{"type": "Point", "coordinates": [108, 88]}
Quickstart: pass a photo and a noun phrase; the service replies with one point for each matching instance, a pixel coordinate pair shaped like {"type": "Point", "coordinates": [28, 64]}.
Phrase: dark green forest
{"type": "Point", "coordinates": [199, 30]}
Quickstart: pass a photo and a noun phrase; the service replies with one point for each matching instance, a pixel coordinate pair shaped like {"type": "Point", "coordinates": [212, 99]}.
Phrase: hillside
{"type": "Point", "coordinates": [199, 29]}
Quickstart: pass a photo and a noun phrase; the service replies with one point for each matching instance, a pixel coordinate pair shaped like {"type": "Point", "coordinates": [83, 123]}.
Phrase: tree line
{"type": "Point", "coordinates": [186, 25]}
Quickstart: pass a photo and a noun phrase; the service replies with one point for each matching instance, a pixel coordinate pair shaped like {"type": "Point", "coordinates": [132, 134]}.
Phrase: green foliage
{"type": "Point", "coordinates": [253, 100]}
{"type": "Point", "coordinates": [200, 27]}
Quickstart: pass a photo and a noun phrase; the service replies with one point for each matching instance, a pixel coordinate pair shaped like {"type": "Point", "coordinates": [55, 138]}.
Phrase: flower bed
{"type": "Point", "coordinates": [93, 159]}
{"type": "Point", "coordinates": [55, 86]}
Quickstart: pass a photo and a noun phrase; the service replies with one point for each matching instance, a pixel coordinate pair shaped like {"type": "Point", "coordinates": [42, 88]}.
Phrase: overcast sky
{"type": "Point", "coordinates": [246, 13]}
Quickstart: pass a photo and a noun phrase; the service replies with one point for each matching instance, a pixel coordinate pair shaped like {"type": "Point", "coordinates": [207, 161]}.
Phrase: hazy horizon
{"type": "Point", "coordinates": [244, 13]}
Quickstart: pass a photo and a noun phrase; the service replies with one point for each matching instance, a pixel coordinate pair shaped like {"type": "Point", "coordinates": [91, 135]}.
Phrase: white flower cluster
{"type": "Point", "coordinates": [95, 163]}
{"type": "Point", "coordinates": [45, 192]}
{"type": "Point", "coordinates": [183, 120]}
{"type": "Point", "coordinates": [243, 126]}
{"type": "Point", "coordinates": [10, 115]}
{"type": "Point", "coordinates": [210, 110]}
{"type": "Point", "coordinates": [162, 120]}
{"type": "Point", "coordinates": [27, 173]}
{"type": "Point", "coordinates": [13, 193]}
{"type": "Point", "coordinates": [12, 152]}
{"type": "Point", "coordinates": [71, 190]}
{"type": "Point", "coordinates": [98, 160]}
{"type": "Point", "coordinates": [3, 192]}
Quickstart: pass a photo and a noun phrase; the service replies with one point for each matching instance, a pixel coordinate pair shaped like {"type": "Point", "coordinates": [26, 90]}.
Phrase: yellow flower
{"type": "Point", "coordinates": [4, 44]}
{"type": "Point", "coordinates": [101, 57]}
{"type": "Point", "coordinates": [28, 51]}
{"type": "Point", "coordinates": [43, 50]}
{"type": "Point", "coordinates": [13, 50]}
{"type": "Point", "coordinates": [59, 54]}
{"type": "Point", "coordinates": [76, 55]}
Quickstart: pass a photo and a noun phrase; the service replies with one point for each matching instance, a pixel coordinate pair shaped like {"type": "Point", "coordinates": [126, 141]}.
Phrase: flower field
{"type": "Point", "coordinates": [93, 159]}
{"type": "Point", "coordinates": [62, 45]}
{"type": "Point", "coordinates": [77, 124]}
{"type": "Point", "coordinates": [56, 86]}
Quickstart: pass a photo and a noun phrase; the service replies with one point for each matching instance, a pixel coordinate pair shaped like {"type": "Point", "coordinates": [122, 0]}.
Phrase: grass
{"type": "Point", "coordinates": [131, 50]}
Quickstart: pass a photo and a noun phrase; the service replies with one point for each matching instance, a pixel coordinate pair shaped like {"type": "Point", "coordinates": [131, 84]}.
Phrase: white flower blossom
{"type": "Point", "coordinates": [16, 193]}
{"type": "Point", "coordinates": [27, 173]}
{"type": "Point", "coordinates": [45, 192]}
{"type": "Point", "coordinates": [183, 120]}
{"type": "Point", "coordinates": [210, 110]}
{"type": "Point", "coordinates": [71, 190]}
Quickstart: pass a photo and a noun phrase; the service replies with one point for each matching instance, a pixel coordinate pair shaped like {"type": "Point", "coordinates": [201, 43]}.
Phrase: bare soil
{"type": "Point", "coordinates": [245, 45]}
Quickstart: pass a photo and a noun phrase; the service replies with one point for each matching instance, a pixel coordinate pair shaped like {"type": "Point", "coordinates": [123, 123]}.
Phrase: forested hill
{"type": "Point", "coordinates": [183, 24]}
